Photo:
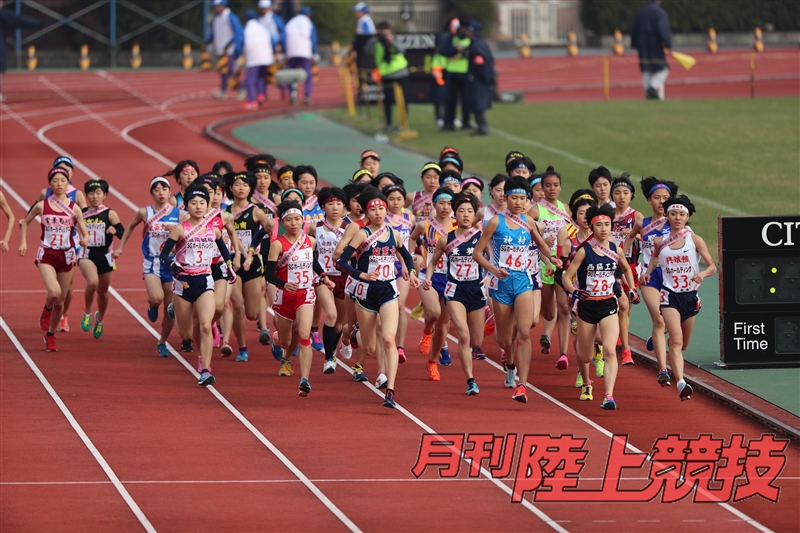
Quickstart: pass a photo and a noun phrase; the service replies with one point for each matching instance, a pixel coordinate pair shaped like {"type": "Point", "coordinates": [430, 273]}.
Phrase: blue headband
{"type": "Point", "coordinates": [443, 196]}
{"type": "Point", "coordinates": [659, 186]}
{"type": "Point", "coordinates": [535, 181]}
{"type": "Point", "coordinates": [627, 186]}
{"type": "Point", "coordinates": [450, 178]}
{"type": "Point", "coordinates": [451, 160]}
{"type": "Point", "coordinates": [517, 191]}
{"type": "Point", "coordinates": [63, 159]}
{"type": "Point", "coordinates": [522, 165]}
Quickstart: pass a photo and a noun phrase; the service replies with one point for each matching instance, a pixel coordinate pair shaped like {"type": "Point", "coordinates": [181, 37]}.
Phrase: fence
{"type": "Point", "coordinates": [546, 22]}
{"type": "Point", "coordinates": [425, 16]}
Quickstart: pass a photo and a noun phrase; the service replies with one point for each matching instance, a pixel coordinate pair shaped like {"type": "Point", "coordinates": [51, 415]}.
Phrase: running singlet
{"type": "Point", "coordinates": [97, 224]}
{"type": "Point", "coordinates": [404, 229]}
{"type": "Point", "coordinates": [647, 240]}
{"type": "Point", "coordinates": [57, 226]}
{"type": "Point", "coordinates": [245, 226]}
{"type": "Point", "coordinates": [422, 205]}
{"type": "Point", "coordinates": [623, 222]}
{"type": "Point", "coordinates": [179, 200]}
{"type": "Point", "coordinates": [380, 256]}
{"type": "Point", "coordinates": [552, 223]}
{"type": "Point", "coordinates": [430, 237]}
{"type": "Point", "coordinates": [195, 254]}
{"type": "Point", "coordinates": [596, 273]}
{"type": "Point", "coordinates": [218, 223]}
{"type": "Point", "coordinates": [312, 212]}
{"type": "Point", "coordinates": [299, 268]}
{"type": "Point", "coordinates": [510, 246]}
{"type": "Point", "coordinates": [327, 240]}
{"type": "Point", "coordinates": [157, 232]}
{"type": "Point", "coordinates": [678, 267]}
{"type": "Point", "coordinates": [462, 268]}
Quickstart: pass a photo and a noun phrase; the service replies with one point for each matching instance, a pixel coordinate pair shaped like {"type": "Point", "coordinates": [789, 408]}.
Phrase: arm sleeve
{"type": "Point", "coordinates": [166, 250]}
{"type": "Point", "coordinates": [407, 258]}
{"type": "Point", "coordinates": [259, 236]}
{"type": "Point", "coordinates": [318, 270]}
{"type": "Point", "coordinates": [269, 273]}
{"type": "Point", "coordinates": [119, 229]}
{"type": "Point", "coordinates": [223, 250]}
{"type": "Point", "coordinates": [344, 262]}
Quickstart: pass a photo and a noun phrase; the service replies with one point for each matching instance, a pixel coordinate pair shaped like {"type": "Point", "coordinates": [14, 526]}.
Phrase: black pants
{"type": "Point", "coordinates": [480, 120]}
{"type": "Point", "coordinates": [455, 85]}
{"type": "Point", "coordinates": [388, 97]}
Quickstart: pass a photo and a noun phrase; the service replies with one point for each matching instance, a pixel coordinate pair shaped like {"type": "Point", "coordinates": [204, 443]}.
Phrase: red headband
{"type": "Point", "coordinates": [332, 199]}
{"type": "Point", "coordinates": [373, 203]}
{"type": "Point", "coordinates": [599, 218]}
{"type": "Point", "coordinates": [188, 166]}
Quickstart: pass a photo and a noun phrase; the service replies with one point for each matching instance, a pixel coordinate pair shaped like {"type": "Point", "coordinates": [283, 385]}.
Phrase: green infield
{"type": "Point", "coordinates": [731, 157]}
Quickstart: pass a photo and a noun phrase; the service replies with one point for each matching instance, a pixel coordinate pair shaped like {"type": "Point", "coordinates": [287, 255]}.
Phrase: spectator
{"type": "Point", "coordinates": [455, 76]}
{"type": "Point", "coordinates": [364, 26]}
{"type": "Point", "coordinates": [273, 22]}
{"type": "Point", "coordinates": [228, 39]}
{"type": "Point", "coordinates": [650, 35]}
{"type": "Point", "coordinates": [258, 55]}
{"type": "Point", "coordinates": [10, 21]}
{"type": "Point", "coordinates": [438, 91]}
{"type": "Point", "coordinates": [301, 46]}
{"type": "Point", "coordinates": [392, 67]}
{"type": "Point", "coordinates": [481, 77]}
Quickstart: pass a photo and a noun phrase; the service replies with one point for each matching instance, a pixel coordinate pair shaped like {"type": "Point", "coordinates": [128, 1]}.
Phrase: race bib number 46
{"type": "Point", "coordinates": [513, 257]}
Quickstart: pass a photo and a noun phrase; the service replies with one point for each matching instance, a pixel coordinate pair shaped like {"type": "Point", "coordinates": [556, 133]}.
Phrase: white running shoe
{"type": "Point", "coordinates": [511, 378]}
{"type": "Point", "coordinates": [346, 351]}
{"type": "Point", "coordinates": [221, 95]}
{"type": "Point", "coordinates": [329, 367]}
{"type": "Point", "coordinates": [381, 381]}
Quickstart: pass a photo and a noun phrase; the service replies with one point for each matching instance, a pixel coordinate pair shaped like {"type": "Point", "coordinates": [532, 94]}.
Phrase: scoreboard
{"type": "Point", "coordinates": [759, 291]}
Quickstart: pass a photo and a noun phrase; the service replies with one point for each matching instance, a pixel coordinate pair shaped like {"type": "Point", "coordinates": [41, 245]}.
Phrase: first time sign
{"type": "Point", "coordinates": [759, 288]}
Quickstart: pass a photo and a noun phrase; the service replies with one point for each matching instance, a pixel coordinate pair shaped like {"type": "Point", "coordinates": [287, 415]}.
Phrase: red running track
{"type": "Point", "coordinates": [250, 454]}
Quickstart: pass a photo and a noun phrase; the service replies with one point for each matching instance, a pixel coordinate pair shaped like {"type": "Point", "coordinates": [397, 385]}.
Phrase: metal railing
{"type": "Point", "coordinates": [546, 22]}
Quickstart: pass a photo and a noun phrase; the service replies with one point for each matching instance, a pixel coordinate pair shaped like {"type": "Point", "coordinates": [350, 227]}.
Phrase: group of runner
{"type": "Point", "coordinates": [232, 247]}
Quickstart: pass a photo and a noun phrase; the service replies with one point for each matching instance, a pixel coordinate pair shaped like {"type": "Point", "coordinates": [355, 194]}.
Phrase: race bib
{"type": "Point", "coordinates": [246, 237]}
{"type": "Point", "coordinates": [199, 253]}
{"type": "Point", "coordinates": [278, 298]}
{"type": "Point", "coordinates": [513, 257]}
{"type": "Point", "coordinates": [97, 234]}
{"type": "Point", "coordinates": [440, 266]}
{"type": "Point", "coordinates": [70, 256]}
{"type": "Point", "coordinates": [327, 262]}
{"type": "Point", "coordinates": [300, 274]}
{"type": "Point", "coordinates": [360, 290]}
{"type": "Point", "coordinates": [600, 283]}
{"type": "Point", "coordinates": [383, 265]}
{"type": "Point", "coordinates": [463, 268]}
{"type": "Point", "coordinates": [57, 237]}
{"type": "Point", "coordinates": [450, 290]}
{"type": "Point", "coordinates": [664, 297]}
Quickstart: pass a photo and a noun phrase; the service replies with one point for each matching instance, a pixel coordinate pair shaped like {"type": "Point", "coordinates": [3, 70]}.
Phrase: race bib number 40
{"type": "Point", "coordinates": [383, 265]}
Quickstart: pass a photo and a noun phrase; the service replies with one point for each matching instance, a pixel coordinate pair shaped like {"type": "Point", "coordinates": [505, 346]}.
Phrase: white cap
{"type": "Point", "coordinates": [361, 6]}
{"type": "Point", "coordinates": [264, 4]}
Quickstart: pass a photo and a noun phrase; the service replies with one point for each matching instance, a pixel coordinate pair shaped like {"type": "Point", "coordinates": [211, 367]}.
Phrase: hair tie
{"type": "Point", "coordinates": [443, 196]}
{"type": "Point", "coordinates": [598, 218]}
{"type": "Point", "coordinates": [291, 211]}
{"type": "Point", "coordinates": [659, 186]}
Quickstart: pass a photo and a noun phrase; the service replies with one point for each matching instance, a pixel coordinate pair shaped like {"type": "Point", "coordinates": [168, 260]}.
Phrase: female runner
{"type": "Point", "coordinates": [420, 202]}
{"type": "Point", "coordinates": [10, 227]}
{"type": "Point", "coordinates": [371, 161]}
{"type": "Point", "coordinates": [403, 222]}
{"type": "Point", "coordinates": [677, 255]}
{"type": "Point", "coordinates": [600, 182]}
{"type": "Point", "coordinates": [498, 205]}
{"type": "Point", "coordinates": [185, 173]}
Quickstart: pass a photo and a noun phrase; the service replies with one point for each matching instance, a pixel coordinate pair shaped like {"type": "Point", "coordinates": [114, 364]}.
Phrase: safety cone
{"type": "Point", "coordinates": [572, 45]}
{"type": "Point", "coordinates": [32, 59]}
{"type": "Point", "coordinates": [205, 59]}
{"type": "Point", "coordinates": [524, 45]}
{"type": "Point", "coordinates": [84, 61]}
{"type": "Point", "coordinates": [758, 41]}
{"type": "Point", "coordinates": [619, 46]}
{"type": "Point", "coordinates": [711, 42]}
{"type": "Point", "coordinates": [336, 50]}
{"type": "Point", "coordinates": [187, 60]}
{"type": "Point", "coordinates": [136, 56]}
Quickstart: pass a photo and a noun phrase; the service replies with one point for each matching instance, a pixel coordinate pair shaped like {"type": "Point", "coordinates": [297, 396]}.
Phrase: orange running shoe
{"type": "Point", "coordinates": [433, 371]}
{"type": "Point", "coordinates": [425, 343]}
{"type": "Point", "coordinates": [627, 359]}
{"type": "Point", "coordinates": [520, 394]}
{"type": "Point", "coordinates": [489, 323]}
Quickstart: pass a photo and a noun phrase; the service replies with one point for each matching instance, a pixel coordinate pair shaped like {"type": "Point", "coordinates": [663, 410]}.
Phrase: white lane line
{"type": "Point", "coordinates": [594, 164]}
{"type": "Point", "coordinates": [79, 430]}
{"type": "Point", "coordinates": [239, 416]}
{"type": "Point", "coordinates": [249, 481]}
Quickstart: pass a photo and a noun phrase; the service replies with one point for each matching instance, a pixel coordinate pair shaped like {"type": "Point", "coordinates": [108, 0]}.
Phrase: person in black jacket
{"type": "Point", "coordinates": [481, 77]}
{"type": "Point", "coordinates": [650, 36]}
{"type": "Point", "coordinates": [9, 21]}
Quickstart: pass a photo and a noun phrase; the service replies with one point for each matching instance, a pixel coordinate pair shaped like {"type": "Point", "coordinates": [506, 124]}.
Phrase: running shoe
{"type": "Point", "coordinates": [380, 383]}
{"type": "Point", "coordinates": [425, 343]}
{"type": "Point", "coordinates": [563, 362]}
{"type": "Point", "coordinates": [619, 344]}
{"type": "Point", "coordinates": [186, 346]}
{"type": "Point", "coordinates": [206, 378]}
{"type": "Point", "coordinates": [489, 324]}
{"type": "Point", "coordinates": [258, 325]}
{"type": "Point", "coordinates": [663, 378]}
{"type": "Point", "coordinates": [433, 370]}
{"type": "Point", "coordinates": [171, 310]}
{"type": "Point", "coordinates": [217, 334]}
{"type": "Point", "coordinates": [444, 356]}
{"type": "Point", "coordinates": [44, 319]}
{"type": "Point", "coordinates": [686, 392]}
{"type": "Point", "coordinates": [586, 393]}
{"type": "Point", "coordinates": [579, 380]}
{"type": "Point", "coordinates": [86, 322]}
{"type": "Point", "coordinates": [316, 342]}
{"type": "Point", "coordinates": [251, 106]}
{"type": "Point", "coordinates": [345, 351]}
{"type": "Point", "coordinates": [63, 325]}
{"type": "Point", "coordinates": [50, 343]}
{"type": "Point", "coordinates": [599, 367]}
{"type": "Point", "coordinates": [608, 403]}
{"type": "Point", "coordinates": [573, 327]}
{"type": "Point", "coordinates": [263, 337]}
{"type": "Point", "coordinates": [97, 332]}
{"type": "Point", "coordinates": [354, 337]}
{"type": "Point", "coordinates": [388, 400]}
{"type": "Point", "coordinates": [649, 344]}
{"type": "Point", "coordinates": [152, 313]}
{"type": "Point", "coordinates": [478, 354]}
{"type": "Point", "coordinates": [472, 389]}
{"type": "Point", "coordinates": [226, 349]}
{"type": "Point", "coordinates": [417, 312]}
{"type": "Point", "coordinates": [511, 377]}
{"type": "Point", "coordinates": [520, 394]}
{"type": "Point", "coordinates": [627, 359]}
{"type": "Point", "coordinates": [401, 355]}
{"type": "Point", "coordinates": [329, 367]}
{"type": "Point", "coordinates": [598, 351]}
{"type": "Point", "coordinates": [358, 373]}
{"type": "Point", "coordinates": [163, 351]}
{"type": "Point", "coordinates": [286, 368]}
{"type": "Point", "coordinates": [544, 342]}
{"type": "Point", "coordinates": [277, 351]}
{"type": "Point", "coordinates": [305, 387]}
{"type": "Point", "coordinates": [243, 356]}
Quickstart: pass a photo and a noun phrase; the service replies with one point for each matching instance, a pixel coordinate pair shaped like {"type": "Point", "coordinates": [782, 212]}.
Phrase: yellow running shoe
{"type": "Point", "coordinates": [286, 368]}
{"type": "Point", "coordinates": [586, 393]}
{"type": "Point", "coordinates": [417, 312]}
{"type": "Point", "coordinates": [433, 371]}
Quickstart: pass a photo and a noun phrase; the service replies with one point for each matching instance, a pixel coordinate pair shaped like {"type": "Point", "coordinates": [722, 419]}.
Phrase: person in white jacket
{"type": "Point", "coordinates": [258, 56]}
{"type": "Point", "coordinates": [301, 45]}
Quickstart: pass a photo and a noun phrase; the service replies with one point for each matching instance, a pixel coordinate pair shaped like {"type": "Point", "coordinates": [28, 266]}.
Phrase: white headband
{"type": "Point", "coordinates": [678, 207]}
{"type": "Point", "coordinates": [292, 211]}
{"type": "Point", "coordinates": [157, 180]}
